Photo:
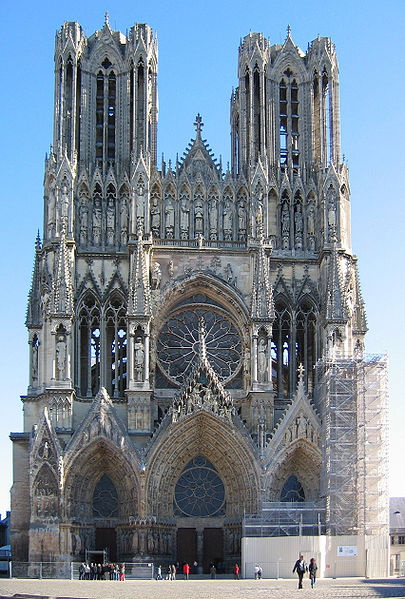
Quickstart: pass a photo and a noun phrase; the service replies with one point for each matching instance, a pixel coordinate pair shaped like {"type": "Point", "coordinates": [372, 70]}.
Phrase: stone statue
{"type": "Point", "coordinates": [229, 273]}
{"type": "Point", "coordinates": [140, 204]}
{"type": "Point", "coordinates": [51, 213]}
{"type": "Point", "coordinates": [169, 212]}
{"type": "Point", "coordinates": [262, 361]}
{"type": "Point", "coordinates": [156, 275]}
{"type": "Point", "coordinates": [139, 361]}
{"type": "Point", "coordinates": [97, 221]}
{"type": "Point", "coordinates": [311, 219]}
{"type": "Point", "coordinates": [170, 269]}
{"type": "Point", "coordinates": [83, 220]}
{"type": "Point", "coordinates": [298, 219]}
{"type": "Point", "coordinates": [64, 207]}
{"type": "Point", "coordinates": [213, 219]}
{"type": "Point", "coordinates": [228, 220]}
{"type": "Point", "coordinates": [241, 221]}
{"type": "Point", "coordinates": [332, 217]}
{"type": "Point", "coordinates": [61, 357]}
{"type": "Point", "coordinates": [110, 221]}
{"type": "Point", "coordinates": [34, 359]}
{"type": "Point", "coordinates": [184, 219]}
{"type": "Point", "coordinates": [198, 218]}
{"type": "Point", "coordinates": [124, 220]}
{"type": "Point", "coordinates": [155, 217]}
{"type": "Point", "coordinates": [285, 219]}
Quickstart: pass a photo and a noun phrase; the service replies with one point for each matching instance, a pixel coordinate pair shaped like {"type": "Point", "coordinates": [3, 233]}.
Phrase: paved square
{"type": "Point", "coordinates": [347, 588]}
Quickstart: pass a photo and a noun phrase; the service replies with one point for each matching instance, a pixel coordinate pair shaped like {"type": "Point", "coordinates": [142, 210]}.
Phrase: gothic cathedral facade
{"type": "Point", "coordinates": [177, 314]}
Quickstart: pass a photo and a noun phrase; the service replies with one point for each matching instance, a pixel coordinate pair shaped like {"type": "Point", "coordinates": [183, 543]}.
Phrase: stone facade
{"type": "Point", "coordinates": [176, 314]}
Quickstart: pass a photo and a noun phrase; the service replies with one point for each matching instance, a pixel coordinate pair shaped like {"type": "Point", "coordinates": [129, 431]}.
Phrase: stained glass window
{"type": "Point", "coordinates": [292, 490]}
{"type": "Point", "coordinates": [199, 491]}
{"type": "Point", "coordinates": [105, 499]}
{"type": "Point", "coordinates": [178, 342]}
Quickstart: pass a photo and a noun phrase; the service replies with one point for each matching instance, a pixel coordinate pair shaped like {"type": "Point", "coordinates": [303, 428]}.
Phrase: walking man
{"type": "Point", "coordinates": [300, 567]}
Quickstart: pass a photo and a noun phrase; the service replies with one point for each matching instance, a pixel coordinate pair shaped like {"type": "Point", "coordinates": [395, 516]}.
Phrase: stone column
{"type": "Point", "coordinates": [254, 359]}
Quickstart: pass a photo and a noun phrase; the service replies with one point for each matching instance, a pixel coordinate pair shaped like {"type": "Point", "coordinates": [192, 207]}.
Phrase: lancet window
{"type": "Point", "coordinates": [116, 342]}
{"type": "Point", "coordinates": [89, 347]}
{"type": "Point", "coordinates": [281, 349]}
{"type": "Point", "coordinates": [106, 91]}
{"type": "Point", "coordinates": [306, 341]}
{"type": "Point", "coordinates": [292, 490]}
{"type": "Point", "coordinates": [289, 121]}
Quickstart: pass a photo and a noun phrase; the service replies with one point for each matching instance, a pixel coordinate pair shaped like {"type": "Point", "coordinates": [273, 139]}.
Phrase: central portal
{"type": "Point", "coordinates": [106, 538]}
{"type": "Point", "coordinates": [213, 549]}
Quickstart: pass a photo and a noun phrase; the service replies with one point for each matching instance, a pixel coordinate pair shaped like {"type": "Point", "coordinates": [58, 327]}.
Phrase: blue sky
{"type": "Point", "coordinates": [198, 50]}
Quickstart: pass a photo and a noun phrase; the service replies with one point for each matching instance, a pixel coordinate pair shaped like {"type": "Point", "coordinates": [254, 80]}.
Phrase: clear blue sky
{"type": "Point", "coordinates": [198, 50]}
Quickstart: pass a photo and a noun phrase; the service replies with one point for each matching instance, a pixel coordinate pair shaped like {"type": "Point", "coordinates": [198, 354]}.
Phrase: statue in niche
{"type": "Point", "coordinates": [198, 218]}
{"type": "Point", "coordinates": [61, 357]}
{"type": "Point", "coordinates": [213, 219]}
{"type": "Point", "coordinates": [332, 217]}
{"type": "Point", "coordinates": [97, 221]}
{"type": "Point", "coordinates": [110, 221]}
{"type": "Point", "coordinates": [169, 213]}
{"type": "Point", "coordinates": [140, 204]}
{"type": "Point", "coordinates": [298, 223]}
{"type": "Point", "coordinates": [124, 220]}
{"type": "Point", "coordinates": [34, 359]}
{"type": "Point", "coordinates": [311, 219]}
{"type": "Point", "coordinates": [51, 212]}
{"type": "Point", "coordinates": [298, 219]}
{"type": "Point", "coordinates": [139, 362]}
{"type": "Point", "coordinates": [83, 221]}
{"type": "Point", "coordinates": [155, 217]}
{"type": "Point", "coordinates": [242, 221]}
{"type": "Point", "coordinates": [228, 220]}
{"type": "Point", "coordinates": [64, 205]}
{"type": "Point", "coordinates": [184, 219]}
{"type": "Point", "coordinates": [156, 275]}
{"type": "Point", "coordinates": [285, 219]}
{"type": "Point", "coordinates": [262, 361]}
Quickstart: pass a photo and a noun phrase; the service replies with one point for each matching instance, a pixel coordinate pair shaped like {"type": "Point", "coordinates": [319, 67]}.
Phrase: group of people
{"type": "Point", "coordinates": [301, 567]}
{"type": "Point", "coordinates": [101, 571]}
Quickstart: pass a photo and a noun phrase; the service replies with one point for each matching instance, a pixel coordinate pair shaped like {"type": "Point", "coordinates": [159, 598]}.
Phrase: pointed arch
{"type": "Point", "coordinates": [89, 344]}
{"type": "Point", "coordinates": [100, 458]}
{"type": "Point", "coordinates": [115, 323]}
{"type": "Point", "coordinates": [282, 347]}
{"type": "Point", "coordinates": [306, 339]}
{"type": "Point", "coordinates": [202, 434]}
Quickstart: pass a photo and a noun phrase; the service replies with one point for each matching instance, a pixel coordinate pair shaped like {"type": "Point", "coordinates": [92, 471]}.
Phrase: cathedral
{"type": "Point", "coordinates": [196, 334]}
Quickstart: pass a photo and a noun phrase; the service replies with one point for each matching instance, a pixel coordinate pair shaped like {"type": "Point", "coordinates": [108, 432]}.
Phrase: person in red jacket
{"type": "Point", "coordinates": [236, 570]}
{"type": "Point", "coordinates": [186, 571]}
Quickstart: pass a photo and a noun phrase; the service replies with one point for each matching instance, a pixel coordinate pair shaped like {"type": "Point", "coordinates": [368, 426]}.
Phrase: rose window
{"type": "Point", "coordinates": [199, 491]}
{"type": "Point", "coordinates": [179, 341]}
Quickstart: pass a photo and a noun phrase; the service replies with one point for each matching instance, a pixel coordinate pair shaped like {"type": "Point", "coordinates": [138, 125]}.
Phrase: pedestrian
{"type": "Point", "coordinates": [159, 573]}
{"type": "Point", "coordinates": [186, 571]}
{"type": "Point", "coordinates": [213, 571]}
{"type": "Point", "coordinates": [256, 572]}
{"type": "Point", "coordinates": [122, 572]}
{"type": "Point", "coordinates": [300, 567]}
{"type": "Point", "coordinates": [236, 570]}
{"type": "Point", "coordinates": [313, 567]}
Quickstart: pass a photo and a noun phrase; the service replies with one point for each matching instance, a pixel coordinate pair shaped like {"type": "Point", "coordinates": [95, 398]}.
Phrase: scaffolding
{"type": "Point", "coordinates": [351, 396]}
{"type": "Point", "coordinates": [288, 518]}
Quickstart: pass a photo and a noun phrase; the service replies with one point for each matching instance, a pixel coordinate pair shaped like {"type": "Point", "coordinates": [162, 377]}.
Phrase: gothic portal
{"type": "Point", "coordinates": [176, 314]}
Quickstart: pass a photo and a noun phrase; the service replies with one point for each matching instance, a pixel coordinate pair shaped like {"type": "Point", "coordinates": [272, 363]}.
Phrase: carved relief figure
{"type": "Point", "coordinates": [285, 226]}
{"type": "Point", "coordinates": [311, 226]}
{"type": "Point", "coordinates": [51, 210]}
{"type": "Point", "coordinates": [64, 204]}
{"type": "Point", "coordinates": [34, 359]}
{"type": "Point", "coordinates": [156, 275]}
{"type": "Point", "coordinates": [184, 219]}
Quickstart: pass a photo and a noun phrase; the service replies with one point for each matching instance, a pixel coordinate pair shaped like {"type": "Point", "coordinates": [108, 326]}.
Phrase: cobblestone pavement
{"type": "Point", "coordinates": [204, 589]}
